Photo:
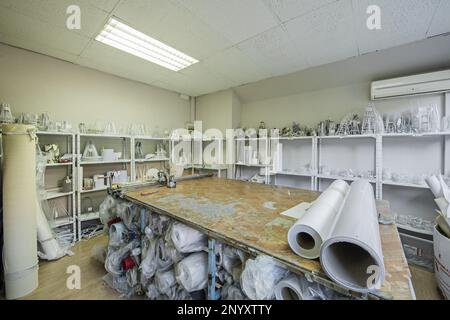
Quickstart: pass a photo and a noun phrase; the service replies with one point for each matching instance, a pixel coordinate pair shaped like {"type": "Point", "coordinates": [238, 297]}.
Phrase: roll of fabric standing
{"type": "Point", "coordinates": [306, 236]}
{"type": "Point", "coordinates": [352, 255]}
{"type": "Point", "coordinates": [192, 271]}
{"type": "Point", "coordinates": [20, 260]}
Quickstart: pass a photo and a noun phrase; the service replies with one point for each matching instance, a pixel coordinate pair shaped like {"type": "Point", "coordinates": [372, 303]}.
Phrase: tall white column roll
{"type": "Point", "coordinates": [19, 210]}
{"type": "Point", "coordinates": [352, 255]}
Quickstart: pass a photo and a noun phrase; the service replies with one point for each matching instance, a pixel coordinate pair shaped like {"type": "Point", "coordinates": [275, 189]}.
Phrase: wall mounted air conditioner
{"type": "Point", "coordinates": [427, 83]}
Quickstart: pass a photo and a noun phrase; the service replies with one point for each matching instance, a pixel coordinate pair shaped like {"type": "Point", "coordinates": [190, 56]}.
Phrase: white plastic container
{"type": "Point", "coordinates": [442, 261]}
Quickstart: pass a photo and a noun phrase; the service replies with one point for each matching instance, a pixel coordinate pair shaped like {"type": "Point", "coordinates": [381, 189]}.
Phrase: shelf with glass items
{"type": "Point", "coordinates": [215, 150]}
{"type": "Point", "coordinates": [252, 155]}
{"type": "Point", "coordinates": [149, 153]}
{"type": "Point", "coordinates": [59, 198]}
{"type": "Point", "coordinates": [103, 159]}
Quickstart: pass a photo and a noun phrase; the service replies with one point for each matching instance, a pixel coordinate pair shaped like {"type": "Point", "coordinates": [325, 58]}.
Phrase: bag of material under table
{"type": "Point", "coordinates": [192, 271]}
{"type": "Point", "coordinates": [187, 239]}
{"type": "Point", "coordinates": [260, 276]}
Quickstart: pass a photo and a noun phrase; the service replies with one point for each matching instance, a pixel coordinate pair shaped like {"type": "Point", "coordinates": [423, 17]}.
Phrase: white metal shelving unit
{"type": "Point", "coordinates": [241, 164]}
{"type": "Point", "coordinates": [56, 193]}
{"type": "Point", "coordinates": [293, 148]}
{"type": "Point", "coordinates": [128, 160]}
{"type": "Point", "coordinates": [198, 147]}
{"type": "Point", "coordinates": [154, 140]}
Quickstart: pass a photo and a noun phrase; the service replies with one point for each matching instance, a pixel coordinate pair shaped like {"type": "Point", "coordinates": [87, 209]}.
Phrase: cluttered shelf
{"type": "Point", "coordinates": [239, 214]}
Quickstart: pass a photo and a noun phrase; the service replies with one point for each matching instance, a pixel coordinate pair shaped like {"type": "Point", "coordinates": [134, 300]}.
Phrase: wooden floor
{"type": "Point", "coordinates": [425, 284]}
{"type": "Point", "coordinates": [52, 278]}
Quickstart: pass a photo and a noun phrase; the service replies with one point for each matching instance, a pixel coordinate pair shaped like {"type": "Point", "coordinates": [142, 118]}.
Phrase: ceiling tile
{"type": "Point", "coordinates": [441, 21]}
{"type": "Point", "coordinates": [54, 13]}
{"type": "Point", "coordinates": [289, 9]}
{"type": "Point", "coordinates": [236, 20]}
{"type": "Point", "coordinates": [173, 25]}
{"type": "Point", "coordinates": [326, 34]}
{"type": "Point", "coordinates": [25, 32]}
{"type": "Point", "coordinates": [236, 66]}
{"type": "Point", "coordinates": [105, 58]}
{"type": "Point", "coordinates": [274, 52]}
{"type": "Point", "coordinates": [106, 5]}
{"type": "Point", "coordinates": [203, 80]}
{"type": "Point", "coordinates": [402, 21]}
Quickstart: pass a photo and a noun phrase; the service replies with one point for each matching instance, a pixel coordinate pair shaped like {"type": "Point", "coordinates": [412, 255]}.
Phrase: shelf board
{"type": "Point", "coordinates": [292, 138]}
{"type": "Point", "coordinates": [405, 184]}
{"type": "Point", "coordinates": [94, 190]}
{"type": "Point", "coordinates": [355, 136]}
{"type": "Point", "coordinates": [104, 162]}
{"type": "Point", "coordinates": [152, 160]}
{"type": "Point", "coordinates": [252, 165]}
{"type": "Point", "coordinates": [89, 216]}
{"type": "Point", "coordinates": [59, 164]}
{"type": "Point", "coordinates": [330, 177]}
{"type": "Point", "coordinates": [53, 194]}
{"type": "Point", "coordinates": [293, 173]}
{"type": "Point", "coordinates": [412, 229]}
{"type": "Point", "coordinates": [139, 137]}
{"type": "Point", "coordinates": [417, 135]}
{"type": "Point", "coordinates": [64, 221]}
{"type": "Point", "coordinates": [210, 167]}
{"type": "Point", "coordinates": [55, 133]}
{"type": "Point", "coordinates": [102, 135]}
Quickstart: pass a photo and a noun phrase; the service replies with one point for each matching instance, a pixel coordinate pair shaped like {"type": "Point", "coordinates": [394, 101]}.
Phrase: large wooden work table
{"type": "Point", "coordinates": [247, 216]}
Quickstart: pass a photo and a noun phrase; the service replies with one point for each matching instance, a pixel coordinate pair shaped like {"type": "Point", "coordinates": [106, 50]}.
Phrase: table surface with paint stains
{"type": "Point", "coordinates": [247, 216]}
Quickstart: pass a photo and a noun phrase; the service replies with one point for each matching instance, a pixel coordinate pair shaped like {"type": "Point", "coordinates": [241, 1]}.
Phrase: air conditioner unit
{"type": "Point", "coordinates": [427, 83]}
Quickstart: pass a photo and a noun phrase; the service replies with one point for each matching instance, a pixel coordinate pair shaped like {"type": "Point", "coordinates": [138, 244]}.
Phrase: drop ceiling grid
{"type": "Point", "coordinates": [24, 31]}
{"type": "Point", "coordinates": [288, 9]}
{"type": "Point", "coordinates": [402, 21]}
{"type": "Point", "coordinates": [325, 35]}
{"type": "Point", "coordinates": [173, 25]}
{"type": "Point", "coordinates": [236, 20]}
{"type": "Point", "coordinates": [441, 20]}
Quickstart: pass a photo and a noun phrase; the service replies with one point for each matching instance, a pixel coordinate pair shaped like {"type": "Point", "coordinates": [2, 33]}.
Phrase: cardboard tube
{"type": "Point", "coordinates": [19, 210]}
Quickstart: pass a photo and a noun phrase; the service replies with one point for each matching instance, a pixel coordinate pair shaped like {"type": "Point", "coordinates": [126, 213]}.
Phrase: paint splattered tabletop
{"type": "Point", "coordinates": [247, 215]}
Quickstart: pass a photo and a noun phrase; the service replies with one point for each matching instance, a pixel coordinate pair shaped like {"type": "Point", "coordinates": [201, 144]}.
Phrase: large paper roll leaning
{"type": "Point", "coordinates": [352, 255]}
{"type": "Point", "coordinates": [306, 236]}
{"type": "Point", "coordinates": [19, 210]}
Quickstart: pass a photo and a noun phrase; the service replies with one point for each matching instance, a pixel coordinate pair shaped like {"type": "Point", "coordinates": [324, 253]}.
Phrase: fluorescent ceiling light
{"type": "Point", "coordinates": [123, 37]}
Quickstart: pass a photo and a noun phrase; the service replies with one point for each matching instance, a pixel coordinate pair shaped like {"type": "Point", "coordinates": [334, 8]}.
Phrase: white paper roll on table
{"type": "Point", "coordinates": [20, 260]}
{"type": "Point", "coordinates": [352, 255]}
{"type": "Point", "coordinates": [306, 236]}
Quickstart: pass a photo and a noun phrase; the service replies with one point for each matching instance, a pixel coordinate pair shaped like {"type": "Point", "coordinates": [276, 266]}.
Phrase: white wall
{"type": "Point", "coordinates": [309, 108]}
{"type": "Point", "coordinates": [35, 83]}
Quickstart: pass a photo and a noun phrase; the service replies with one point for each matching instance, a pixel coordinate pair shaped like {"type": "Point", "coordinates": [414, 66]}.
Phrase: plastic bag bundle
{"type": "Point", "coordinates": [192, 271]}
{"type": "Point", "coordinates": [114, 258]}
{"type": "Point", "coordinates": [152, 291]}
{"type": "Point", "coordinates": [173, 253]}
{"type": "Point", "coordinates": [297, 287]}
{"type": "Point", "coordinates": [149, 264]}
{"type": "Point", "coordinates": [224, 277]}
{"type": "Point", "coordinates": [120, 284]}
{"type": "Point", "coordinates": [260, 276]}
{"type": "Point", "coordinates": [163, 259]}
{"type": "Point", "coordinates": [132, 277]}
{"type": "Point", "coordinates": [186, 239]}
{"type": "Point", "coordinates": [181, 294]}
{"type": "Point", "coordinates": [116, 234]}
{"type": "Point", "coordinates": [233, 261]}
{"type": "Point", "coordinates": [106, 212]}
{"type": "Point", "coordinates": [232, 292]}
{"type": "Point", "coordinates": [128, 213]}
{"type": "Point", "coordinates": [165, 281]}
{"type": "Point", "coordinates": [162, 224]}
